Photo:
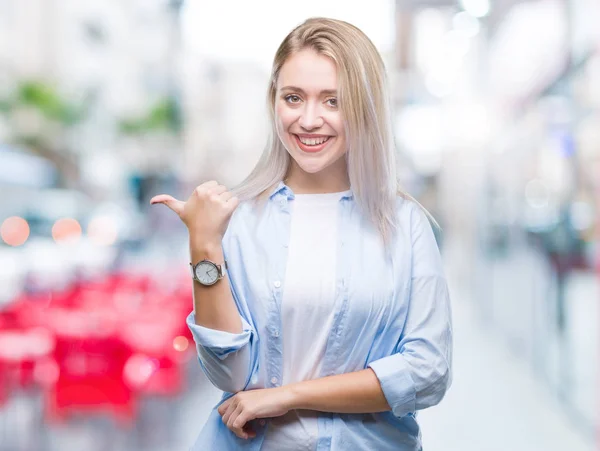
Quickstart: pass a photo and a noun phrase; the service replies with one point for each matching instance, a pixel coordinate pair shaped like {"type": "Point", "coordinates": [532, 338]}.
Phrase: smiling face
{"type": "Point", "coordinates": [309, 122]}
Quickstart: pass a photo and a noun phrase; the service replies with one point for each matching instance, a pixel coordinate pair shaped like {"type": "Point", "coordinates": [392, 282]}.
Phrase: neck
{"type": "Point", "coordinates": [301, 182]}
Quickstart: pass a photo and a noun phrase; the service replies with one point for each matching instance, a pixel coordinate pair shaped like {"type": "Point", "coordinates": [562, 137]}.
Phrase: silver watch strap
{"type": "Point", "coordinates": [223, 268]}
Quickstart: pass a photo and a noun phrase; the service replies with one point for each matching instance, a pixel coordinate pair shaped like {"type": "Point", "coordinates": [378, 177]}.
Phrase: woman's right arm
{"type": "Point", "coordinates": [224, 338]}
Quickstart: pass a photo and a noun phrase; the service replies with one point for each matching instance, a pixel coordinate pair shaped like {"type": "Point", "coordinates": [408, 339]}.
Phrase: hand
{"type": "Point", "coordinates": [206, 213]}
{"type": "Point", "coordinates": [248, 405]}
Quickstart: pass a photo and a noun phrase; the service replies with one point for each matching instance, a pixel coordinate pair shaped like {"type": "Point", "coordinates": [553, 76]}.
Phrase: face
{"type": "Point", "coordinates": [309, 122]}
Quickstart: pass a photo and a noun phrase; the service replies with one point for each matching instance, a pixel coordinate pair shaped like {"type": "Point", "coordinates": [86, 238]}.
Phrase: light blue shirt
{"type": "Point", "coordinates": [392, 314]}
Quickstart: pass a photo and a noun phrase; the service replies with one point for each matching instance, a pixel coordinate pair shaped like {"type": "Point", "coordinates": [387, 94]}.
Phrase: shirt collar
{"type": "Point", "coordinates": [283, 190]}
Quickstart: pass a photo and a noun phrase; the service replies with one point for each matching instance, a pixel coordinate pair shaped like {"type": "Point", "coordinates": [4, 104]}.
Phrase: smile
{"type": "Point", "coordinates": [312, 144]}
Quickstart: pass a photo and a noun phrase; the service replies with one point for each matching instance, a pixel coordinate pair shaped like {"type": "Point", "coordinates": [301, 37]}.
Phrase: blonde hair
{"type": "Point", "coordinates": [363, 100]}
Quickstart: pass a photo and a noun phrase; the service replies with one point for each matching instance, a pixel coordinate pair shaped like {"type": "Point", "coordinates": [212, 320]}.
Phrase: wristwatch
{"type": "Point", "coordinates": [208, 273]}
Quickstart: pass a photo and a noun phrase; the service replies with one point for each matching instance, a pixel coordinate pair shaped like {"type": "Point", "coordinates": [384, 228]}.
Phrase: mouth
{"type": "Point", "coordinates": [313, 145]}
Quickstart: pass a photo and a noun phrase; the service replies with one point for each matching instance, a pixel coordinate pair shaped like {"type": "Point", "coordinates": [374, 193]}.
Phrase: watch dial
{"type": "Point", "coordinates": [207, 273]}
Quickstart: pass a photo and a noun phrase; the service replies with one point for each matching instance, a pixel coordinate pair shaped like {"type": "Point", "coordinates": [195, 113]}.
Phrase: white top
{"type": "Point", "coordinates": [306, 310]}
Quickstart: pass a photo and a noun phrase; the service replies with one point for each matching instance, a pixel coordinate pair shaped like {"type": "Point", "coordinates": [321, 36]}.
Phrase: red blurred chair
{"type": "Point", "coordinates": [20, 352]}
{"type": "Point", "coordinates": [3, 385]}
{"type": "Point", "coordinates": [90, 359]}
{"type": "Point", "coordinates": [159, 353]}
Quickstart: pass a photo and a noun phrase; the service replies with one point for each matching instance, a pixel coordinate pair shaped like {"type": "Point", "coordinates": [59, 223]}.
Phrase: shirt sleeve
{"type": "Point", "coordinates": [419, 372]}
{"type": "Point", "coordinates": [224, 357]}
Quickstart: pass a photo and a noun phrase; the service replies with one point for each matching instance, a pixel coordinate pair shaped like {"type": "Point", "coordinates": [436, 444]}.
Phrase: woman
{"type": "Point", "coordinates": [329, 325]}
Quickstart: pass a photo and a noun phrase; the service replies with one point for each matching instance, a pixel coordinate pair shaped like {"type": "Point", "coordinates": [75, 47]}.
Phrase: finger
{"type": "Point", "coordinates": [210, 184]}
{"type": "Point", "coordinates": [241, 427]}
{"type": "Point", "coordinates": [169, 201]}
{"type": "Point", "coordinates": [233, 202]}
{"type": "Point", "coordinates": [217, 189]}
{"type": "Point", "coordinates": [230, 409]}
{"type": "Point", "coordinates": [205, 187]}
{"type": "Point", "coordinates": [248, 430]}
{"type": "Point", "coordinates": [226, 195]}
{"type": "Point", "coordinates": [223, 407]}
{"type": "Point", "coordinates": [236, 422]}
{"type": "Point", "coordinates": [232, 414]}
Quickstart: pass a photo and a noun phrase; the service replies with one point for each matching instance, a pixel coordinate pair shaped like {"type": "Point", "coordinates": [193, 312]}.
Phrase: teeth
{"type": "Point", "coordinates": [313, 141]}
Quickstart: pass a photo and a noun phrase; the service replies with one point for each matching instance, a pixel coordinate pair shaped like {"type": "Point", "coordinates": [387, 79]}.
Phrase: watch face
{"type": "Point", "coordinates": [207, 273]}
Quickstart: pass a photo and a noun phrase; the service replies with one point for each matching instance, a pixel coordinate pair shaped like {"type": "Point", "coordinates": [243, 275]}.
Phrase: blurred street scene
{"type": "Point", "coordinates": [105, 103]}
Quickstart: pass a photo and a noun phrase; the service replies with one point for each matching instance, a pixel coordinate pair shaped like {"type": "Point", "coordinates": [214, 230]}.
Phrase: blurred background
{"type": "Point", "coordinates": [105, 103]}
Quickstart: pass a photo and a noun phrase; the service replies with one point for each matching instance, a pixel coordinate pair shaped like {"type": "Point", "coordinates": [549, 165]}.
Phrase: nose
{"type": "Point", "coordinates": [310, 118]}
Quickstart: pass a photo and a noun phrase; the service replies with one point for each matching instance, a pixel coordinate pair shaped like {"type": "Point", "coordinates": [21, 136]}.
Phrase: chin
{"type": "Point", "coordinates": [311, 168]}
{"type": "Point", "coordinates": [316, 165]}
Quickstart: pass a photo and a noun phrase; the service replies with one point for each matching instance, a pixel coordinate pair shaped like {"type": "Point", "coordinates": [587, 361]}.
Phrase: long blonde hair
{"type": "Point", "coordinates": [363, 99]}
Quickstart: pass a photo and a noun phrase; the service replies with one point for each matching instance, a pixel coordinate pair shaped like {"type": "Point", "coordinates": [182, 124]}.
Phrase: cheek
{"type": "Point", "coordinates": [282, 125]}
{"type": "Point", "coordinates": [340, 130]}
{"type": "Point", "coordinates": [342, 145]}
{"type": "Point", "coordinates": [284, 118]}
{"type": "Point", "coordinates": [337, 123]}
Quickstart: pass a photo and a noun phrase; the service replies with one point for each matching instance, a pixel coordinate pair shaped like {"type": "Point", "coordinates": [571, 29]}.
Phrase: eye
{"type": "Point", "coordinates": [292, 98]}
{"type": "Point", "coordinates": [332, 102]}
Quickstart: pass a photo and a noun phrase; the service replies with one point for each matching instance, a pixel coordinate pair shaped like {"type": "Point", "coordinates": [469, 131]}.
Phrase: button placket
{"type": "Point", "coordinates": [277, 275]}
{"type": "Point", "coordinates": [333, 344]}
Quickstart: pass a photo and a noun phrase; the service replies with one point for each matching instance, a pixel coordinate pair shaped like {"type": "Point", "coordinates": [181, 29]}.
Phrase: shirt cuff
{"type": "Point", "coordinates": [219, 342]}
{"type": "Point", "coordinates": [396, 383]}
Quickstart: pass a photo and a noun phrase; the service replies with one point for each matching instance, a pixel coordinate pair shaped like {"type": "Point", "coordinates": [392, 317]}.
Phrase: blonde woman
{"type": "Point", "coordinates": [320, 304]}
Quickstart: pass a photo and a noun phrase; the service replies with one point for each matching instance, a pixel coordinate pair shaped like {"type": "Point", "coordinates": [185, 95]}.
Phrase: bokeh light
{"type": "Point", "coordinates": [14, 231]}
{"type": "Point", "coordinates": [138, 369]}
{"type": "Point", "coordinates": [66, 229]}
{"type": "Point", "coordinates": [102, 230]}
{"type": "Point", "coordinates": [180, 343]}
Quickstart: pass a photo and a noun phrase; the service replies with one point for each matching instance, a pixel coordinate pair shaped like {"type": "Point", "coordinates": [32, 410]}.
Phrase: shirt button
{"type": "Point", "coordinates": [276, 333]}
{"type": "Point", "coordinates": [277, 284]}
{"type": "Point", "coordinates": [274, 380]}
{"type": "Point", "coordinates": [262, 422]}
{"type": "Point", "coordinates": [282, 202]}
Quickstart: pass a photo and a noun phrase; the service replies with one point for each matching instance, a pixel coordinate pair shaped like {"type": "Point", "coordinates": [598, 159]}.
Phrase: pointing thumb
{"type": "Point", "coordinates": [169, 201]}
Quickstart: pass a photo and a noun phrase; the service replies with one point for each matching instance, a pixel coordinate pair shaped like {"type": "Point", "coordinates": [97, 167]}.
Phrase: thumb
{"type": "Point", "coordinates": [169, 201]}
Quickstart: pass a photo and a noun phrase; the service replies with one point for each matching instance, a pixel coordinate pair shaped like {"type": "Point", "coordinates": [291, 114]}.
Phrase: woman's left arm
{"type": "Point", "coordinates": [356, 392]}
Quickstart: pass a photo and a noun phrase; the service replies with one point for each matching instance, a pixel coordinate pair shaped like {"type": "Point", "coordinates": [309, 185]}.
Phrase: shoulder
{"type": "Point", "coordinates": [243, 210]}
{"type": "Point", "coordinates": [409, 212]}
{"type": "Point", "coordinates": [244, 215]}
{"type": "Point", "coordinates": [414, 221]}
{"type": "Point", "coordinates": [415, 225]}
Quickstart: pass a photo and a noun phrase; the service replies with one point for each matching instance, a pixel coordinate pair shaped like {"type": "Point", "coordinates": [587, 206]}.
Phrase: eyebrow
{"type": "Point", "coordinates": [295, 88]}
